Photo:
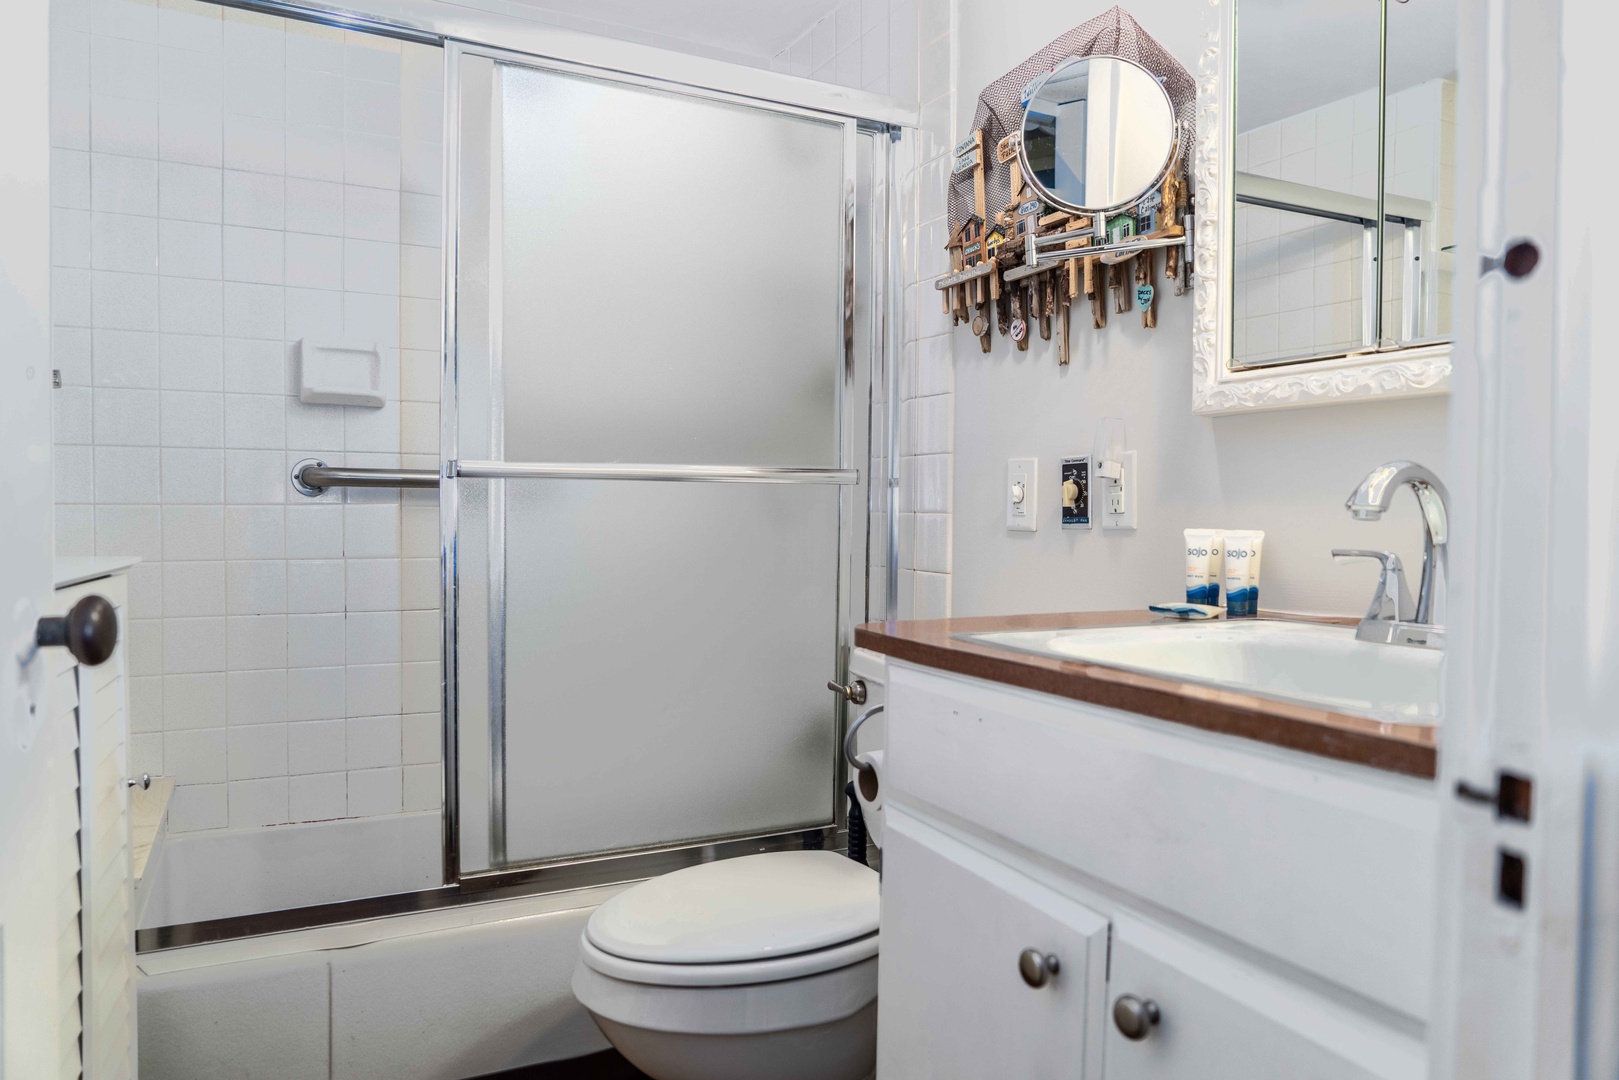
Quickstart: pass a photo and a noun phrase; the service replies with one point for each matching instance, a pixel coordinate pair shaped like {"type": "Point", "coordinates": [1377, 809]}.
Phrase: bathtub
{"type": "Point", "coordinates": [217, 875]}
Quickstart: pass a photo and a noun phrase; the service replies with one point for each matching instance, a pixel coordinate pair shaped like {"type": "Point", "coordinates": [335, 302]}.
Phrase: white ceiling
{"type": "Point", "coordinates": [752, 28]}
{"type": "Point", "coordinates": [1294, 55]}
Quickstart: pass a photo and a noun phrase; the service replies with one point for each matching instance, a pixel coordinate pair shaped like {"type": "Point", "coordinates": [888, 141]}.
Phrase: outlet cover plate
{"type": "Point", "coordinates": [1124, 491]}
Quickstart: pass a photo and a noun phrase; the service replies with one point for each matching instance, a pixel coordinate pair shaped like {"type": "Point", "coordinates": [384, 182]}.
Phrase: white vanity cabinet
{"type": "Point", "coordinates": [1271, 908]}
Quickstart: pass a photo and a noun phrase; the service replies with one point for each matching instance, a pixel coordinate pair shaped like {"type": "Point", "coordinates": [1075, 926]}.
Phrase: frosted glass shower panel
{"type": "Point", "coordinates": [666, 655]}
{"type": "Point", "coordinates": [651, 277]}
{"type": "Point", "coordinates": [673, 276]}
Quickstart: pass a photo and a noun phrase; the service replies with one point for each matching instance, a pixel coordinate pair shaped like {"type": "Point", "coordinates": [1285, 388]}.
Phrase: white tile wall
{"type": "Point", "coordinates": [225, 184]}
{"type": "Point", "coordinates": [903, 48]}
{"type": "Point", "coordinates": [1299, 279]}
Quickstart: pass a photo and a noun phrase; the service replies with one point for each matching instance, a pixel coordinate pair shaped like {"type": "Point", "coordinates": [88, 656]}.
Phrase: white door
{"type": "Point", "coordinates": [1528, 894]}
{"type": "Point", "coordinates": [37, 1014]}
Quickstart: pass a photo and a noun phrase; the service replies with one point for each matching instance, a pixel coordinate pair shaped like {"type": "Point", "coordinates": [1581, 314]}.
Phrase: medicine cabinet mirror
{"type": "Point", "coordinates": [1098, 134]}
{"type": "Point", "coordinates": [1326, 175]}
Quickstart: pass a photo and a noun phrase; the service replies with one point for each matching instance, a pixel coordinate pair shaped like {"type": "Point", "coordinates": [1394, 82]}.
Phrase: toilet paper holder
{"type": "Point", "coordinates": [848, 739]}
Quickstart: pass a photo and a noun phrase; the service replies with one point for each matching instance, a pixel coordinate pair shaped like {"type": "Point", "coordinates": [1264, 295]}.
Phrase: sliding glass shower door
{"type": "Point", "coordinates": [656, 522]}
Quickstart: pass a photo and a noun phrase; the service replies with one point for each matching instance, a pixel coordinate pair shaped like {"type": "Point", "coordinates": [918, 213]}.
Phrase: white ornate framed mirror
{"type": "Point", "coordinates": [1324, 167]}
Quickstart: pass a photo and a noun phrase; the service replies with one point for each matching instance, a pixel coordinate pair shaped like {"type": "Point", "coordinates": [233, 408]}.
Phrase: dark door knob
{"type": "Point", "coordinates": [1517, 261]}
{"type": "Point", "coordinates": [89, 631]}
{"type": "Point", "coordinates": [1134, 1017]}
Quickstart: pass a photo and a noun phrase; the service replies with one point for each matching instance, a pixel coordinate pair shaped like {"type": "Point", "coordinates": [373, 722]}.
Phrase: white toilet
{"type": "Point", "coordinates": [742, 969]}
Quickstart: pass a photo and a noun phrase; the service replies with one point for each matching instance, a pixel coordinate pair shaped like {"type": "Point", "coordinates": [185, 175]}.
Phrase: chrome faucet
{"type": "Point", "coordinates": [1393, 618]}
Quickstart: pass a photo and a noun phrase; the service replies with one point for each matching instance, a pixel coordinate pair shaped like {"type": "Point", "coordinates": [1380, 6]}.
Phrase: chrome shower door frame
{"type": "Point", "coordinates": [852, 475]}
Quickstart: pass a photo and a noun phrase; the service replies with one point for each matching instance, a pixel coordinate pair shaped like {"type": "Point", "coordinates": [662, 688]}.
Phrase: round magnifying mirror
{"type": "Point", "coordinates": [1098, 134]}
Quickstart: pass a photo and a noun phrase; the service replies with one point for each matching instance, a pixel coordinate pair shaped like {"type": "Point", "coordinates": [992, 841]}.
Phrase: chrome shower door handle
{"type": "Point", "coordinates": [854, 693]}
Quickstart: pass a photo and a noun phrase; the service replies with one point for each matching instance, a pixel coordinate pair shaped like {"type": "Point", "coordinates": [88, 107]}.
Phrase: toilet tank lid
{"type": "Point", "coordinates": [754, 907]}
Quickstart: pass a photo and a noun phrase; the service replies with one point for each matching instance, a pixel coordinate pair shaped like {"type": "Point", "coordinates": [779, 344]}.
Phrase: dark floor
{"type": "Point", "coordinates": [607, 1065]}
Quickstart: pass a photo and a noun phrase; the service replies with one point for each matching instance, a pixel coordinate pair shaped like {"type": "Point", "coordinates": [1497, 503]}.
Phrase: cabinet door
{"type": "Point", "coordinates": [953, 1003]}
{"type": "Point", "coordinates": [1221, 1019]}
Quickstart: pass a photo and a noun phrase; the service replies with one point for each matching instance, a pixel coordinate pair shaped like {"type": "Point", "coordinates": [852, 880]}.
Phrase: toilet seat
{"type": "Point", "coordinates": [749, 910]}
{"type": "Point", "coordinates": [744, 973]}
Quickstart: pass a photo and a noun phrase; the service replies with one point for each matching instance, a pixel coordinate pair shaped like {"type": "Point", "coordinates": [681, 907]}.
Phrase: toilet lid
{"type": "Point", "coordinates": [755, 907]}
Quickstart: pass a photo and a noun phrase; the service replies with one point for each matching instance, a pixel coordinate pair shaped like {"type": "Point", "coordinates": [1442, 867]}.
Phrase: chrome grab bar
{"type": "Point", "coordinates": [720, 474]}
{"type": "Point", "coordinates": [312, 477]}
{"type": "Point", "coordinates": [848, 739]}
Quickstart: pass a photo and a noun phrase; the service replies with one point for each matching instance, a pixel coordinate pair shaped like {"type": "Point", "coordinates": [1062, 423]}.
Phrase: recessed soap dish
{"type": "Point", "coordinates": [339, 374]}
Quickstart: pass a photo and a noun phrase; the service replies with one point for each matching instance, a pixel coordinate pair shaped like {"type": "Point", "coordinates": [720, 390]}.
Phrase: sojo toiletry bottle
{"type": "Point", "coordinates": [1204, 566]}
{"type": "Point", "coordinates": [1242, 551]}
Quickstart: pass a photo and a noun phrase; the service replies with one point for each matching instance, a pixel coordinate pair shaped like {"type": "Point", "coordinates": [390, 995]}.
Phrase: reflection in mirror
{"type": "Point", "coordinates": [1419, 167]}
{"type": "Point", "coordinates": [1305, 179]}
{"type": "Point", "coordinates": [1097, 134]}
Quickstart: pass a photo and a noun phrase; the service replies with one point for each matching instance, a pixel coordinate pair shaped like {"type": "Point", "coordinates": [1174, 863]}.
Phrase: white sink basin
{"type": "Point", "coordinates": [1303, 662]}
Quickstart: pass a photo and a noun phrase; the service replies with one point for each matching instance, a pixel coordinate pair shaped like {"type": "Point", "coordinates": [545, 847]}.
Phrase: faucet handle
{"type": "Point", "coordinates": [1392, 601]}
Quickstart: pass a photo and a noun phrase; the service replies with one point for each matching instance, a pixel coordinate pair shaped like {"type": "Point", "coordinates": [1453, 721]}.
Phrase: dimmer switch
{"type": "Point", "coordinates": [1022, 494]}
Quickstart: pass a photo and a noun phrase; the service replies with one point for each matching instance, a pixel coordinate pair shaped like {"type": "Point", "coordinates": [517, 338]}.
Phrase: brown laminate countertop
{"type": "Point", "coordinates": [1411, 749]}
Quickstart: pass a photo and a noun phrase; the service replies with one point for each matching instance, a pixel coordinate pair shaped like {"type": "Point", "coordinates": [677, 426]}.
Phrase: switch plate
{"type": "Point", "coordinates": [1118, 497]}
{"type": "Point", "coordinates": [1022, 491]}
{"type": "Point", "coordinates": [1076, 512]}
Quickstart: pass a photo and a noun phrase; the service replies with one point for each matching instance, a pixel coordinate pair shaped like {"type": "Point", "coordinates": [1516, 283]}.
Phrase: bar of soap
{"type": "Point", "coordinates": [1182, 610]}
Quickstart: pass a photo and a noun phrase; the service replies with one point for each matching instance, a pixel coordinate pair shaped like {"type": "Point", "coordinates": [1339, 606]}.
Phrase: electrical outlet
{"type": "Point", "coordinates": [1022, 491]}
{"type": "Point", "coordinates": [1076, 493]}
{"type": "Point", "coordinates": [1119, 494]}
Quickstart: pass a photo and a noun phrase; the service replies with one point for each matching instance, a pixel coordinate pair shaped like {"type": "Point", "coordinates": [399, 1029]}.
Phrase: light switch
{"type": "Point", "coordinates": [1022, 491]}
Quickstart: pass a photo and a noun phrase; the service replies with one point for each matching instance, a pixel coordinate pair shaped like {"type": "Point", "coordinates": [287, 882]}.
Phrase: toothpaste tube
{"type": "Point", "coordinates": [1242, 551]}
{"type": "Point", "coordinates": [1203, 566]}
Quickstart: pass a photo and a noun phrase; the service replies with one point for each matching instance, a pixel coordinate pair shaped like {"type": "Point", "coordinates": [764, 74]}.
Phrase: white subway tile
{"type": "Point", "coordinates": [193, 589]}
{"type": "Point", "coordinates": [190, 306]}
{"type": "Point", "coordinates": [126, 417]}
{"type": "Point", "coordinates": [370, 267]}
{"type": "Point", "coordinates": [72, 293]}
{"type": "Point", "coordinates": [421, 687]}
{"type": "Point", "coordinates": [192, 419]}
{"type": "Point", "coordinates": [371, 531]}
{"type": "Point", "coordinates": [423, 787]}
{"type": "Point", "coordinates": [129, 530]}
{"type": "Point", "coordinates": [126, 474]}
{"type": "Point", "coordinates": [371, 107]}
{"type": "Point", "coordinates": [255, 366]}
{"type": "Point", "coordinates": [193, 532]}
{"type": "Point", "coordinates": [315, 48]}
{"type": "Point", "coordinates": [257, 697]}
{"type": "Point", "coordinates": [189, 249]}
{"type": "Point", "coordinates": [190, 362]}
{"type": "Point", "coordinates": [372, 430]}
{"type": "Point", "coordinates": [374, 792]}
{"type": "Point", "coordinates": [255, 477]}
{"type": "Point", "coordinates": [73, 412]}
{"type": "Point", "coordinates": [123, 301]}
{"type": "Point", "coordinates": [314, 641]}
{"type": "Point", "coordinates": [255, 144]}
{"type": "Point", "coordinates": [370, 160]}
{"type": "Point", "coordinates": [314, 262]}
{"type": "Point", "coordinates": [195, 807]}
{"type": "Point", "coordinates": [419, 220]}
{"type": "Point", "coordinates": [72, 240]}
{"type": "Point", "coordinates": [314, 206]}
{"type": "Point", "coordinates": [422, 737]}
{"type": "Point", "coordinates": [196, 756]}
{"type": "Point", "coordinates": [258, 89]}
{"type": "Point", "coordinates": [255, 421]}
{"type": "Point", "coordinates": [373, 637]}
{"type": "Point", "coordinates": [145, 589]}
{"type": "Point", "coordinates": [314, 97]}
{"type": "Point", "coordinates": [257, 642]}
{"type": "Point", "coordinates": [420, 635]}
{"type": "Point", "coordinates": [123, 126]}
{"type": "Point", "coordinates": [123, 185]}
{"type": "Point", "coordinates": [256, 587]}
{"type": "Point", "coordinates": [255, 532]}
{"type": "Point", "coordinates": [373, 742]}
{"type": "Point", "coordinates": [373, 689]}
{"type": "Point", "coordinates": [191, 132]}
{"type": "Point", "coordinates": [316, 693]}
{"type": "Point", "coordinates": [419, 583]}
{"type": "Point", "coordinates": [146, 754]}
{"type": "Point", "coordinates": [193, 476]}
{"type": "Point", "coordinates": [75, 530]}
{"type": "Point", "coordinates": [315, 152]}
{"type": "Point", "coordinates": [371, 213]}
{"type": "Point", "coordinates": [315, 532]}
{"type": "Point", "coordinates": [317, 797]}
{"type": "Point", "coordinates": [258, 802]}
{"type": "Point", "coordinates": [75, 474]}
{"type": "Point", "coordinates": [190, 24]}
{"type": "Point", "coordinates": [257, 750]}
{"type": "Point", "coordinates": [253, 311]}
{"type": "Point", "coordinates": [421, 166]}
{"type": "Point", "coordinates": [253, 255]}
{"type": "Point", "coordinates": [117, 241]}
{"type": "Point", "coordinates": [317, 746]}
